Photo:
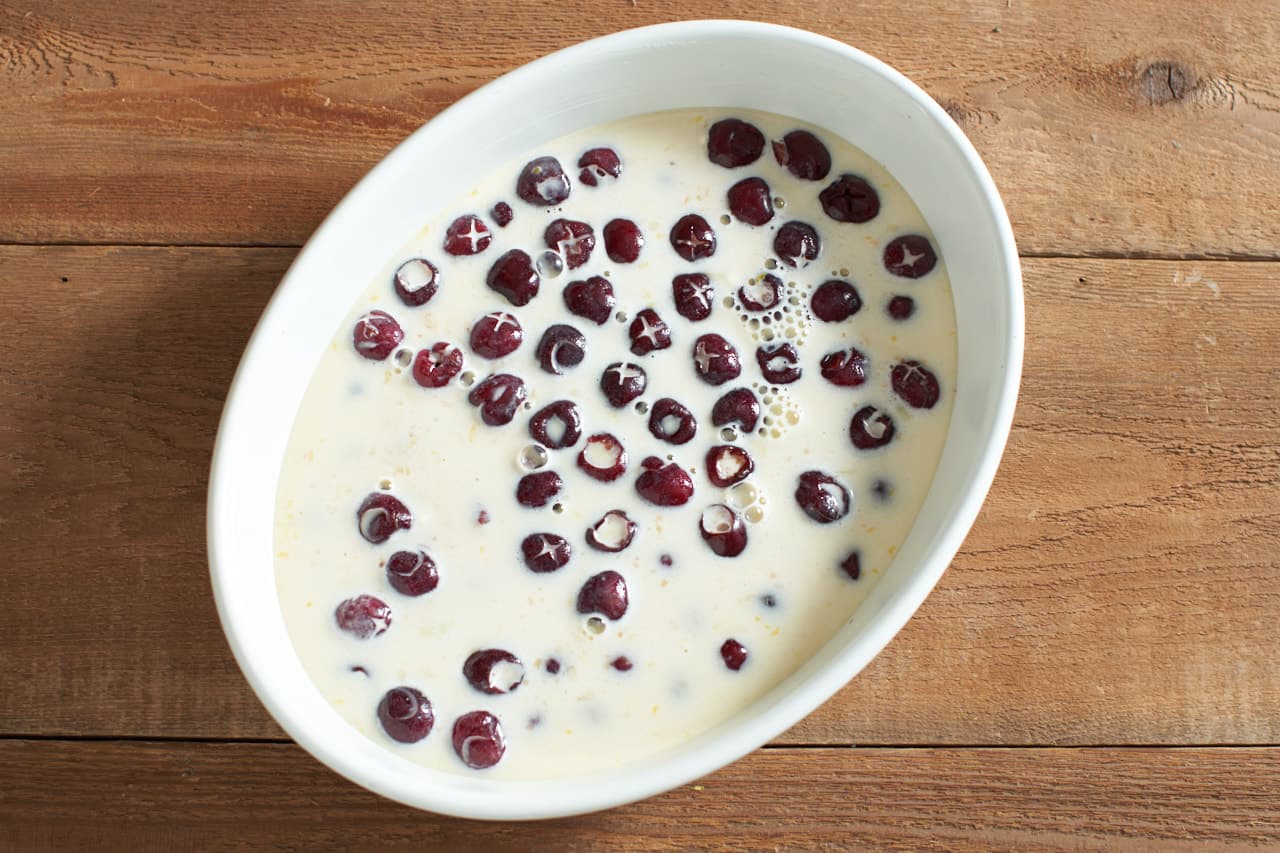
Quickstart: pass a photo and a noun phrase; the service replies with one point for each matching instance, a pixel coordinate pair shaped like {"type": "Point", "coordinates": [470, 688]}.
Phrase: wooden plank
{"type": "Point", "coordinates": [265, 796]}
{"type": "Point", "coordinates": [1119, 586]}
{"type": "Point", "coordinates": [1141, 128]}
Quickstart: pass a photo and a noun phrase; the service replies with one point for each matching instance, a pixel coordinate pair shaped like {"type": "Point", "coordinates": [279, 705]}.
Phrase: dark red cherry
{"type": "Point", "coordinates": [406, 714]}
{"type": "Point", "coordinates": [376, 335]}
{"type": "Point", "coordinates": [562, 347]}
{"type": "Point", "coordinates": [538, 489]}
{"type": "Point", "coordinates": [496, 334]}
{"type": "Point", "coordinates": [514, 276]}
{"type": "Point", "coordinates": [649, 332]}
{"type": "Point", "coordinates": [436, 366]}
{"type": "Point", "coordinates": [478, 739]}
{"type": "Point", "coordinates": [412, 572]}
{"type": "Point", "coordinates": [623, 241]}
{"type": "Point", "coordinates": [901, 307]}
{"type": "Point", "coordinates": [761, 293]}
{"type": "Point", "coordinates": [664, 484]}
{"type": "Point", "coordinates": [545, 552]}
{"type": "Point", "coordinates": [871, 428]}
{"type": "Point", "coordinates": [603, 458]}
{"type": "Point", "coordinates": [599, 164]}
{"type": "Point", "coordinates": [573, 240]}
{"type": "Point", "coordinates": [852, 566]}
{"type": "Point", "coordinates": [692, 293]}
{"type": "Point", "coordinates": [493, 671]}
{"type": "Point", "coordinates": [733, 653]}
{"type": "Point", "coordinates": [416, 281]}
{"type": "Point", "coordinates": [723, 531]}
{"type": "Point", "coordinates": [804, 155]}
{"type": "Point", "coordinates": [672, 422]}
{"type": "Point", "coordinates": [502, 214]}
{"type": "Point", "coordinates": [380, 515]}
{"type": "Point", "coordinates": [499, 397]}
{"type": "Point", "coordinates": [733, 142]}
{"type": "Point", "coordinates": [835, 301]}
{"type": "Point", "coordinates": [850, 199]}
{"type": "Point", "coordinates": [621, 663]}
{"type": "Point", "coordinates": [467, 235]}
{"type": "Point", "coordinates": [728, 464]}
{"type": "Point", "coordinates": [542, 182]}
{"type": "Point", "coordinates": [750, 201]}
{"type": "Point", "coordinates": [552, 666]}
{"type": "Point", "coordinates": [910, 256]}
{"type": "Point", "coordinates": [604, 593]}
{"type": "Point", "coordinates": [592, 299]}
{"type": "Point", "coordinates": [821, 497]}
{"type": "Point", "coordinates": [715, 360]}
{"type": "Point", "coordinates": [780, 363]}
{"type": "Point", "coordinates": [915, 384]}
{"type": "Point", "coordinates": [612, 533]}
{"type": "Point", "coordinates": [692, 238]}
{"type": "Point", "coordinates": [796, 244]}
{"type": "Point", "coordinates": [622, 383]}
{"type": "Point", "coordinates": [846, 368]}
{"type": "Point", "coordinates": [739, 407]}
{"type": "Point", "coordinates": [363, 617]}
{"type": "Point", "coordinates": [556, 425]}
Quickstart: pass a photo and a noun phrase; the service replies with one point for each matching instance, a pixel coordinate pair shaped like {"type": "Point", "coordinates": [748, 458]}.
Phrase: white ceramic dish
{"type": "Point", "coordinates": [697, 64]}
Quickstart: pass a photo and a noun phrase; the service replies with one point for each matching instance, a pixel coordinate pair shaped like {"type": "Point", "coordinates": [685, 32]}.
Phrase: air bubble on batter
{"type": "Point", "coordinates": [532, 457]}
{"type": "Point", "coordinates": [594, 626]}
{"type": "Point", "coordinates": [724, 219]}
{"type": "Point", "coordinates": [754, 514]}
{"type": "Point", "coordinates": [550, 264]}
{"type": "Point", "coordinates": [621, 316]}
{"type": "Point", "coordinates": [404, 357]}
{"type": "Point", "coordinates": [743, 494]}
{"type": "Point", "coordinates": [385, 485]}
{"type": "Point", "coordinates": [642, 407]}
{"type": "Point", "coordinates": [729, 433]}
{"type": "Point", "coordinates": [467, 379]}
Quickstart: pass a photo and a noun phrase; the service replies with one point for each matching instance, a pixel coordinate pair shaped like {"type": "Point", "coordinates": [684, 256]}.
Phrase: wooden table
{"type": "Point", "coordinates": [1098, 669]}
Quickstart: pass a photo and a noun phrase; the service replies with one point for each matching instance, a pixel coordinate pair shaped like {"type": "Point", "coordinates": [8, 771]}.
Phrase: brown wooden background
{"type": "Point", "coordinates": [1097, 670]}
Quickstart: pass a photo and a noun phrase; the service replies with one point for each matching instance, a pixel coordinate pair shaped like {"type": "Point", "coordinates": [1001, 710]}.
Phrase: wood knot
{"type": "Point", "coordinates": [1166, 81]}
{"type": "Point", "coordinates": [966, 116]}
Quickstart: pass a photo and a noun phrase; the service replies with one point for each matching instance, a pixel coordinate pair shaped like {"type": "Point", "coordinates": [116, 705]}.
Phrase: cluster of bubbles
{"type": "Point", "coordinates": [779, 410]}
{"type": "Point", "coordinates": [747, 498]}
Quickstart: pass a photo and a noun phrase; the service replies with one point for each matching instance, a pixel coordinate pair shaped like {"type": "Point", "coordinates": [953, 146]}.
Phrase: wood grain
{"type": "Point", "coordinates": [1119, 587]}
{"type": "Point", "coordinates": [267, 796]}
{"type": "Point", "coordinates": [1140, 128]}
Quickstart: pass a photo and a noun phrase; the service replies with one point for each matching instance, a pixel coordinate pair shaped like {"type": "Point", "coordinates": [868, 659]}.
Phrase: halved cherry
{"type": "Point", "coordinates": [623, 382]}
{"type": "Point", "coordinates": [416, 281]}
{"type": "Point", "coordinates": [915, 384]}
{"type": "Point", "coordinates": [545, 552]}
{"type": "Point", "coordinates": [664, 484]}
{"type": "Point", "coordinates": [467, 235]}
{"type": "Point", "coordinates": [376, 335]}
{"type": "Point", "coordinates": [723, 530]}
{"type": "Point", "coordinates": [871, 428]}
{"type": "Point", "coordinates": [499, 397]}
{"type": "Point", "coordinates": [728, 464]}
{"type": "Point", "coordinates": [572, 239]}
{"type": "Point", "coordinates": [822, 498]}
{"type": "Point", "coordinates": [556, 425]}
{"type": "Point", "coordinates": [672, 422]}
{"type": "Point", "coordinates": [598, 164]}
{"type": "Point", "coordinates": [715, 360]}
{"type": "Point", "coordinates": [603, 458]}
{"type": "Point", "coordinates": [542, 182]}
{"type": "Point", "coordinates": [779, 363]}
{"type": "Point", "coordinates": [612, 533]}
{"type": "Point", "coordinates": [761, 293]}
{"type": "Point", "coordinates": [649, 332]}
{"type": "Point", "coordinates": [846, 368]}
{"type": "Point", "coordinates": [803, 155]}
{"type": "Point", "coordinates": [496, 335]}
{"type": "Point", "coordinates": [910, 256]}
{"type": "Point", "coordinates": [692, 294]}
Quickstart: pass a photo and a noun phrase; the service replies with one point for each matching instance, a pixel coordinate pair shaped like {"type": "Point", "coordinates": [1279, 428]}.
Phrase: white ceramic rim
{"type": "Point", "coordinates": [782, 708]}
